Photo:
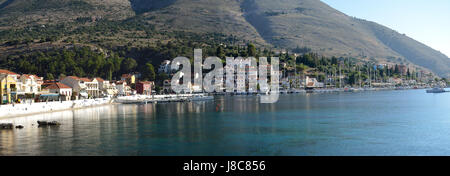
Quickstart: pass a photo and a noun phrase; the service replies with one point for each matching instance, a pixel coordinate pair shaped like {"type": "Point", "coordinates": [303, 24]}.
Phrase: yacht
{"type": "Point", "coordinates": [436, 90]}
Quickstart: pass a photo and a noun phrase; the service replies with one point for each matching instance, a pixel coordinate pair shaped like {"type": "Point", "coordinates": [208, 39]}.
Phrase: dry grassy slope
{"type": "Point", "coordinates": [20, 13]}
{"type": "Point", "coordinates": [201, 16]}
{"type": "Point", "coordinates": [282, 23]}
{"type": "Point", "coordinates": [412, 50]}
{"type": "Point", "coordinates": [290, 23]}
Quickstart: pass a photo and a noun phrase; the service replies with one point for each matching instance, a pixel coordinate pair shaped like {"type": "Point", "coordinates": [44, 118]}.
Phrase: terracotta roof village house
{"type": "Point", "coordinates": [129, 78]}
{"type": "Point", "coordinates": [122, 88]}
{"type": "Point", "coordinates": [99, 79]}
{"type": "Point", "coordinates": [63, 90]}
{"type": "Point", "coordinates": [58, 86]}
{"type": "Point", "coordinates": [144, 87]}
{"type": "Point", "coordinates": [82, 86]}
{"type": "Point", "coordinates": [2, 71]}
{"type": "Point", "coordinates": [29, 84]}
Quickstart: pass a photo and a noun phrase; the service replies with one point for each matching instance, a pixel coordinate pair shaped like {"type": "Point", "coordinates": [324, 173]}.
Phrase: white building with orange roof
{"type": "Point", "coordinates": [10, 73]}
{"type": "Point", "coordinates": [29, 84]}
{"type": "Point", "coordinates": [92, 87]}
{"type": "Point", "coordinates": [83, 87]}
{"type": "Point", "coordinates": [122, 88]}
{"type": "Point", "coordinates": [63, 90]}
{"type": "Point", "coordinates": [106, 88]}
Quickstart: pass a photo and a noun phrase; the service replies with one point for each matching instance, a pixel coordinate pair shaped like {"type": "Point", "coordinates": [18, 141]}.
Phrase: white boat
{"type": "Point", "coordinates": [201, 98]}
{"type": "Point", "coordinates": [299, 91]}
{"type": "Point", "coordinates": [283, 91]}
{"type": "Point", "coordinates": [436, 90]}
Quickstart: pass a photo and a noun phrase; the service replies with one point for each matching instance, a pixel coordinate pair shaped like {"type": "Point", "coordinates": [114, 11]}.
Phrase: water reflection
{"type": "Point", "coordinates": [331, 124]}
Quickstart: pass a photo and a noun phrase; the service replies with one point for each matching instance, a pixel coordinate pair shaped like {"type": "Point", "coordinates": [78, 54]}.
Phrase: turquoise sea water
{"type": "Point", "coordinates": [368, 123]}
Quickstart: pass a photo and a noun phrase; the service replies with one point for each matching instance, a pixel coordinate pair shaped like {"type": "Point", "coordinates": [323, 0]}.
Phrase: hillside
{"type": "Point", "coordinates": [19, 13]}
{"type": "Point", "coordinates": [282, 24]}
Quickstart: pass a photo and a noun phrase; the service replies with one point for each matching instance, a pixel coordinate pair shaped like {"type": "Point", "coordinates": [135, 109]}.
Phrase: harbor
{"type": "Point", "coordinates": [359, 123]}
{"type": "Point", "coordinates": [31, 108]}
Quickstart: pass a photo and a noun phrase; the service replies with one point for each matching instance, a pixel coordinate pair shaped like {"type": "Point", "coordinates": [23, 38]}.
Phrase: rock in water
{"type": "Point", "coordinates": [54, 123]}
{"type": "Point", "coordinates": [45, 123]}
{"type": "Point", "coordinates": [6, 126]}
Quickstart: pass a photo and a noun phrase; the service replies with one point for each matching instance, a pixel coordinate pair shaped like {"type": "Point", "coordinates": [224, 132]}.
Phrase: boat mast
{"type": "Point", "coordinates": [359, 71]}
{"type": "Point", "coordinates": [340, 76]}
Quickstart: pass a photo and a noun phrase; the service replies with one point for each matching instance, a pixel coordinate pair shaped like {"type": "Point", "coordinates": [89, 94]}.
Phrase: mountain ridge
{"type": "Point", "coordinates": [282, 24]}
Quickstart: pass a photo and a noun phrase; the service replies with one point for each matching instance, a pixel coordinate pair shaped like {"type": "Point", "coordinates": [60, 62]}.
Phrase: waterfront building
{"type": "Point", "coordinates": [144, 87]}
{"type": "Point", "coordinates": [13, 75]}
{"type": "Point", "coordinates": [167, 86]}
{"type": "Point", "coordinates": [129, 78]}
{"type": "Point", "coordinates": [7, 89]}
{"type": "Point", "coordinates": [165, 67]}
{"type": "Point", "coordinates": [29, 85]}
{"type": "Point", "coordinates": [312, 83]}
{"type": "Point", "coordinates": [123, 88]}
{"type": "Point", "coordinates": [83, 87]}
{"type": "Point", "coordinates": [8, 86]}
{"type": "Point", "coordinates": [64, 91]}
{"type": "Point", "coordinates": [107, 88]}
{"type": "Point", "coordinates": [92, 87]}
{"type": "Point", "coordinates": [395, 81]}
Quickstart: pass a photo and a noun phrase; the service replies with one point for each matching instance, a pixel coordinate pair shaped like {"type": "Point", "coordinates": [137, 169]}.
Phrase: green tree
{"type": "Point", "coordinates": [251, 50]}
{"type": "Point", "coordinates": [49, 76]}
{"type": "Point", "coordinates": [149, 72]}
{"type": "Point", "coordinates": [161, 77]}
{"type": "Point", "coordinates": [108, 69]}
{"type": "Point", "coordinates": [220, 52]}
{"type": "Point", "coordinates": [128, 65]}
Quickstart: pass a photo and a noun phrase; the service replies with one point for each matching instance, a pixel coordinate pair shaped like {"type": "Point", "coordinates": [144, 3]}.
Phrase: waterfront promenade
{"type": "Point", "coordinates": [14, 110]}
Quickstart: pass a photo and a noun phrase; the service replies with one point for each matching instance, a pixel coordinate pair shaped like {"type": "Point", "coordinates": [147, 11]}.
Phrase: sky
{"type": "Point", "coordinates": [427, 21]}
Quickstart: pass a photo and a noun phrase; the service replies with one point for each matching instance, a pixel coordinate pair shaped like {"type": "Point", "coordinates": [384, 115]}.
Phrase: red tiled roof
{"type": "Point", "coordinates": [58, 86]}
{"type": "Point", "coordinates": [99, 79]}
{"type": "Point", "coordinates": [127, 75]}
{"type": "Point", "coordinates": [73, 77]}
{"type": "Point", "coordinates": [7, 72]}
{"type": "Point", "coordinates": [81, 79]}
{"type": "Point", "coordinates": [29, 76]}
{"type": "Point", "coordinates": [146, 82]}
{"type": "Point", "coordinates": [86, 79]}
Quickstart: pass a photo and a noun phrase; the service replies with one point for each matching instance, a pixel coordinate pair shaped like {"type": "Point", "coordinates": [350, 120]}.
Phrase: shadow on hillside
{"type": "Point", "coordinates": [142, 6]}
{"type": "Point", "coordinates": [6, 3]}
{"type": "Point", "coordinates": [257, 19]}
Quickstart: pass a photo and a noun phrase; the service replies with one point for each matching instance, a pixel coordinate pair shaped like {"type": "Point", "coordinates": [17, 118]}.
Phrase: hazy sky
{"type": "Point", "coordinates": [427, 21]}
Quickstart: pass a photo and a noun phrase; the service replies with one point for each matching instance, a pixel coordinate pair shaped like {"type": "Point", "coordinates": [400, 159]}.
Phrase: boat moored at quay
{"type": "Point", "coordinates": [144, 99]}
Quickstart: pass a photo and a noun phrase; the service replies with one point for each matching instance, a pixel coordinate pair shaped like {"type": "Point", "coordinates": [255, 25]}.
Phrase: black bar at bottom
{"type": "Point", "coordinates": [222, 165]}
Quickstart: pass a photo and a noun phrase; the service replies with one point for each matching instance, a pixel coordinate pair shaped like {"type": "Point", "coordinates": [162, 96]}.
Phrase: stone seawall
{"type": "Point", "coordinates": [13, 110]}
